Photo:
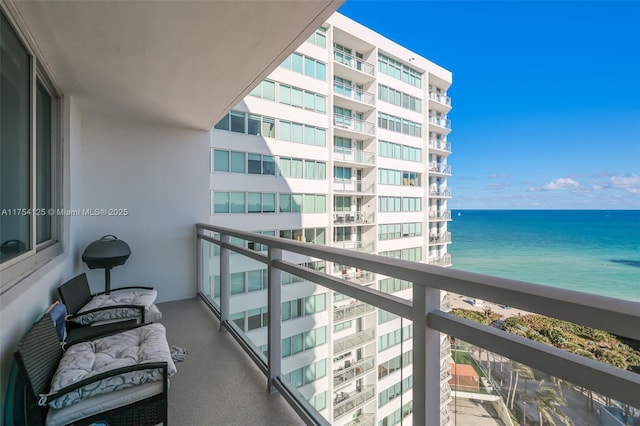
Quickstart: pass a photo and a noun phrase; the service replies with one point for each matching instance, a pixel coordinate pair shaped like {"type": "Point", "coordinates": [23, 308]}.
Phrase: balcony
{"type": "Point", "coordinates": [363, 246]}
{"type": "Point", "coordinates": [353, 63]}
{"type": "Point", "coordinates": [444, 260]}
{"type": "Point", "coordinates": [440, 121]}
{"type": "Point", "coordinates": [353, 186]}
{"type": "Point", "coordinates": [353, 218]}
{"type": "Point", "coordinates": [354, 310]}
{"type": "Point", "coordinates": [441, 99]}
{"type": "Point", "coordinates": [353, 93]}
{"type": "Point", "coordinates": [616, 316]}
{"type": "Point", "coordinates": [356, 340]}
{"type": "Point", "coordinates": [439, 192]}
{"type": "Point", "coordinates": [354, 156]}
{"type": "Point", "coordinates": [439, 215]}
{"type": "Point", "coordinates": [345, 375]}
{"type": "Point", "coordinates": [442, 238]}
{"type": "Point", "coordinates": [440, 145]}
{"type": "Point", "coordinates": [360, 277]}
{"type": "Point", "coordinates": [352, 401]}
{"type": "Point", "coordinates": [436, 168]}
{"type": "Point", "coordinates": [353, 126]}
{"type": "Point", "coordinates": [367, 419]}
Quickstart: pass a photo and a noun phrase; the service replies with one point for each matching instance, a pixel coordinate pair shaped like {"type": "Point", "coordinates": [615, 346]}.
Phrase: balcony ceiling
{"type": "Point", "coordinates": [177, 62]}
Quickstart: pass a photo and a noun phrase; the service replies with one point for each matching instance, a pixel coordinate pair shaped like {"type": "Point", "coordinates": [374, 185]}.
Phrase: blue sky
{"type": "Point", "coordinates": [546, 97]}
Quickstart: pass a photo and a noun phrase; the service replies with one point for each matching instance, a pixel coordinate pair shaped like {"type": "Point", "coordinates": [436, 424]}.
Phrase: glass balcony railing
{"type": "Point", "coordinates": [440, 168]}
{"type": "Point", "coordinates": [364, 246]}
{"type": "Point", "coordinates": [440, 145]}
{"type": "Point", "coordinates": [442, 238]}
{"type": "Point", "coordinates": [353, 93]}
{"type": "Point", "coordinates": [348, 402]}
{"type": "Point", "coordinates": [367, 419]}
{"type": "Point", "coordinates": [353, 62]}
{"type": "Point", "coordinates": [354, 156]}
{"type": "Point", "coordinates": [354, 186]}
{"type": "Point", "coordinates": [439, 215]}
{"type": "Point", "coordinates": [435, 191]}
{"type": "Point", "coordinates": [348, 373]}
{"type": "Point", "coordinates": [353, 124]}
{"type": "Point", "coordinates": [444, 260]}
{"type": "Point", "coordinates": [438, 97]}
{"type": "Point", "coordinates": [521, 377]}
{"type": "Point", "coordinates": [350, 311]}
{"type": "Point", "coordinates": [440, 121]}
{"type": "Point", "coordinates": [353, 218]}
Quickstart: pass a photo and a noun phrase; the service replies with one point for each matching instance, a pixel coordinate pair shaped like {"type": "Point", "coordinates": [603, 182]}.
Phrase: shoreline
{"type": "Point", "coordinates": [463, 302]}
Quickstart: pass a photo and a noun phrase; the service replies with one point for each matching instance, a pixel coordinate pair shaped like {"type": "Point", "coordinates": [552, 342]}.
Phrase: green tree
{"type": "Point", "coordinates": [548, 402]}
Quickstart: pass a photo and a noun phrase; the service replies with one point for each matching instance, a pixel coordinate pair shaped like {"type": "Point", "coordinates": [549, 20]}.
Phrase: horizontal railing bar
{"type": "Point", "coordinates": [299, 404]}
{"type": "Point", "coordinates": [620, 317]}
{"type": "Point", "coordinates": [387, 302]}
{"type": "Point", "coordinates": [605, 379]}
{"type": "Point", "coordinates": [209, 239]}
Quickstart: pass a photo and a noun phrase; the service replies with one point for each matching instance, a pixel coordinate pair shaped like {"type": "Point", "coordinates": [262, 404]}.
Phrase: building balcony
{"type": "Point", "coordinates": [439, 215]}
{"type": "Point", "coordinates": [354, 310]}
{"type": "Point", "coordinates": [439, 192]}
{"type": "Point", "coordinates": [440, 121]}
{"type": "Point", "coordinates": [353, 218]}
{"type": "Point", "coordinates": [444, 260]}
{"type": "Point", "coordinates": [345, 402]}
{"type": "Point", "coordinates": [352, 341]}
{"type": "Point", "coordinates": [346, 374]}
{"type": "Point", "coordinates": [344, 91]}
{"type": "Point", "coordinates": [354, 156]}
{"type": "Point", "coordinates": [442, 238]}
{"type": "Point", "coordinates": [440, 145]}
{"type": "Point", "coordinates": [354, 186]}
{"type": "Point", "coordinates": [440, 99]}
{"type": "Point", "coordinates": [366, 419]}
{"type": "Point", "coordinates": [353, 126]}
{"type": "Point", "coordinates": [359, 277]}
{"type": "Point", "coordinates": [351, 62]}
{"type": "Point", "coordinates": [436, 168]}
{"type": "Point", "coordinates": [362, 246]}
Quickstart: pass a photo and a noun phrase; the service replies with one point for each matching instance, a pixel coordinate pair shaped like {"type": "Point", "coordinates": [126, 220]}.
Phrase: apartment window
{"type": "Point", "coordinates": [265, 90]}
{"type": "Point", "coordinates": [308, 374]}
{"type": "Point", "coordinates": [413, 254]}
{"type": "Point", "coordinates": [301, 98]}
{"type": "Point", "coordinates": [341, 145]}
{"type": "Point", "coordinates": [19, 162]}
{"type": "Point", "coordinates": [225, 161]}
{"type": "Point", "coordinates": [393, 285]}
{"type": "Point", "coordinates": [312, 67]}
{"type": "Point", "coordinates": [395, 364]}
{"type": "Point", "coordinates": [261, 164]}
{"type": "Point", "coordinates": [290, 203]}
{"type": "Point", "coordinates": [399, 204]}
{"type": "Point", "coordinates": [315, 169]}
{"type": "Point", "coordinates": [398, 151]}
{"type": "Point", "coordinates": [399, 124]}
{"type": "Point", "coordinates": [400, 71]}
{"type": "Point", "coordinates": [398, 177]}
{"type": "Point", "coordinates": [228, 202]}
{"type": "Point", "coordinates": [398, 98]}
{"type": "Point", "coordinates": [261, 202]}
{"type": "Point", "coordinates": [319, 401]}
{"type": "Point", "coordinates": [399, 230]}
{"type": "Point", "coordinates": [291, 167]}
{"type": "Point", "coordinates": [304, 341]}
{"type": "Point", "coordinates": [319, 38]}
{"type": "Point", "coordinates": [342, 326]}
{"type": "Point", "coordinates": [394, 338]}
{"type": "Point", "coordinates": [342, 204]}
{"type": "Point", "coordinates": [342, 173]}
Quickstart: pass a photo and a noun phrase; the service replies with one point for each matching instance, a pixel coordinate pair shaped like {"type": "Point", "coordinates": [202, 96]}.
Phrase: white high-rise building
{"type": "Point", "coordinates": [345, 144]}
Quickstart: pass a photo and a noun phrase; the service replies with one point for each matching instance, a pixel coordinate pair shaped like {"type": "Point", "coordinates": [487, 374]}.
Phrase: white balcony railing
{"type": "Point", "coordinates": [353, 62]}
{"type": "Point", "coordinates": [346, 374]}
{"type": "Point", "coordinates": [444, 260]}
{"type": "Point", "coordinates": [616, 316]}
{"type": "Point", "coordinates": [363, 246]}
{"type": "Point", "coordinates": [354, 186]}
{"type": "Point", "coordinates": [353, 93]}
{"type": "Point", "coordinates": [442, 238]}
{"type": "Point", "coordinates": [440, 145]}
{"type": "Point", "coordinates": [353, 124]}
{"type": "Point", "coordinates": [354, 156]}
{"type": "Point", "coordinates": [366, 419]}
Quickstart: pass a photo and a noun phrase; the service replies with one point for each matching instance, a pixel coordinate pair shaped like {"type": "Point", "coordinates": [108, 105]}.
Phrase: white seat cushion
{"type": "Point", "coordinates": [141, 297]}
{"type": "Point", "coordinates": [152, 315]}
{"type": "Point", "coordinates": [140, 345]}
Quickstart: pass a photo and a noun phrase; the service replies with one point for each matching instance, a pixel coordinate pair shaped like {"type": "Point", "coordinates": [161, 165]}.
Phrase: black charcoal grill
{"type": "Point", "coordinates": [106, 253]}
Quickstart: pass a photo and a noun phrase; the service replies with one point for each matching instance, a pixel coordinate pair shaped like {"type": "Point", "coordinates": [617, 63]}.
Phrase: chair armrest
{"type": "Point", "coordinates": [124, 288]}
{"type": "Point", "coordinates": [44, 399]}
{"type": "Point", "coordinates": [80, 334]}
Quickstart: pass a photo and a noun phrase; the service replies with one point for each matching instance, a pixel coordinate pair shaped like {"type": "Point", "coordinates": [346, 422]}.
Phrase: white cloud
{"type": "Point", "coordinates": [562, 184]}
{"type": "Point", "coordinates": [628, 183]}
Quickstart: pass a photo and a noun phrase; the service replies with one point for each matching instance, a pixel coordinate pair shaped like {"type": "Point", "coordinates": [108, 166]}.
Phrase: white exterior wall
{"type": "Point", "coordinates": [370, 44]}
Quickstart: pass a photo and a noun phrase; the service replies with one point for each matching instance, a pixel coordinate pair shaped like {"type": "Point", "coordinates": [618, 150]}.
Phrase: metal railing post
{"type": "Point", "coordinates": [199, 266]}
{"type": "Point", "coordinates": [274, 366]}
{"type": "Point", "coordinates": [426, 358]}
{"type": "Point", "coordinates": [225, 281]}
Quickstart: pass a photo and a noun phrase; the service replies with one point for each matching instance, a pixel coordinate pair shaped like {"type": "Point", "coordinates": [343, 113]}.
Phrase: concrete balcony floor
{"type": "Point", "coordinates": [217, 384]}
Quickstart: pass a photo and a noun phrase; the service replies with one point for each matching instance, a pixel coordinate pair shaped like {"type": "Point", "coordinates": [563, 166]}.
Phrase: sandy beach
{"type": "Point", "coordinates": [464, 302]}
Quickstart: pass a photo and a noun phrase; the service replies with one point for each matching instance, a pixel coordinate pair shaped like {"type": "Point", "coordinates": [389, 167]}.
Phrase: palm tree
{"type": "Point", "coordinates": [520, 370]}
{"type": "Point", "coordinates": [548, 402]}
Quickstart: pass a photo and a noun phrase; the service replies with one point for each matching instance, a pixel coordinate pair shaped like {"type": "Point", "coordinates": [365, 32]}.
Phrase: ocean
{"type": "Point", "coordinates": [594, 251]}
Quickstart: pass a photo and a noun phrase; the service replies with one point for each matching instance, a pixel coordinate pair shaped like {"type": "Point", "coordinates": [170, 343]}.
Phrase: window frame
{"type": "Point", "coordinates": [15, 269]}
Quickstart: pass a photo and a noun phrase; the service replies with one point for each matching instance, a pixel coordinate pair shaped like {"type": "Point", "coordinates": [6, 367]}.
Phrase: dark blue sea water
{"type": "Point", "coordinates": [585, 250]}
